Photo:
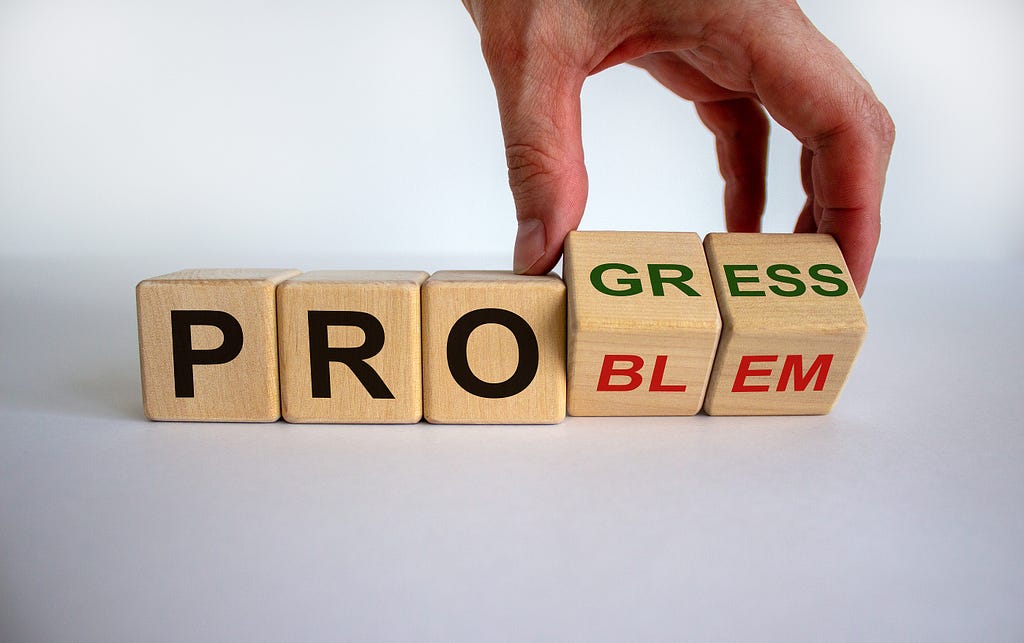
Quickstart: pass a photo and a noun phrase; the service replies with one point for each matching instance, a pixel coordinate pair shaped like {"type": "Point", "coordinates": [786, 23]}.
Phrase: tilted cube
{"type": "Point", "coordinates": [643, 323]}
{"type": "Point", "coordinates": [792, 324]}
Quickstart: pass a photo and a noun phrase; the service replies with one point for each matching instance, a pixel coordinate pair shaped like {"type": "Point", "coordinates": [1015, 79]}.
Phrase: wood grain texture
{"type": "Point", "coordinates": [792, 324]}
{"type": "Point", "coordinates": [643, 323]}
{"type": "Point", "coordinates": [392, 300]}
{"type": "Point", "coordinates": [492, 352]}
{"type": "Point", "coordinates": [245, 389]}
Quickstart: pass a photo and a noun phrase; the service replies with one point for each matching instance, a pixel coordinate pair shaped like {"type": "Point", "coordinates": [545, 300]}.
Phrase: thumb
{"type": "Point", "coordinates": [539, 104]}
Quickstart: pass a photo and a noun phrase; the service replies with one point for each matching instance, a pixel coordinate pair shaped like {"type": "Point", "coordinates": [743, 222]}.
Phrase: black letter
{"type": "Point", "coordinates": [185, 357]}
{"type": "Point", "coordinates": [321, 355]}
{"type": "Point", "coordinates": [458, 362]}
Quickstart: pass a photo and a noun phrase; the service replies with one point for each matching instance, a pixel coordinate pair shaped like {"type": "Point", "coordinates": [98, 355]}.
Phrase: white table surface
{"type": "Point", "coordinates": [900, 516]}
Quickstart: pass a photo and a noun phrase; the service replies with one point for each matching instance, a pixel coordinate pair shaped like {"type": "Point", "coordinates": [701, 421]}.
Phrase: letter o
{"type": "Point", "coordinates": [458, 360]}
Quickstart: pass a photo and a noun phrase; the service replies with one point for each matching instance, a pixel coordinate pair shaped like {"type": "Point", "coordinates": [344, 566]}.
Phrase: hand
{"type": "Point", "coordinates": [734, 59]}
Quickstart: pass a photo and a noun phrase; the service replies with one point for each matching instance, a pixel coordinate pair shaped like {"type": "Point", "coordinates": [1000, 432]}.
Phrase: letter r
{"type": "Point", "coordinates": [321, 354]}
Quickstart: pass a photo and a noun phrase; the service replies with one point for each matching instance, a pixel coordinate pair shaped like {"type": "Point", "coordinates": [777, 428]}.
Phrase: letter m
{"type": "Point", "coordinates": [794, 366]}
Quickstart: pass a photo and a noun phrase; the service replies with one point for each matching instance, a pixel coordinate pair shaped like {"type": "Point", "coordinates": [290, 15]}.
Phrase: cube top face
{"type": "Point", "coordinates": [350, 347]}
{"type": "Point", "coordinates": [391, 278]}
{"type": "Point", "coordinates": [643, 323]}
{"type": "Point", "coordinates": [493, 348]}
{"type": "Point", "coordinates": [792, 324]}
{"type": "Point", "coordinates": [252, 276]}
{"type": "Point", "coordinates": [208, 345]}
{"type": "Point", "coordinates": [639, 280]}
{"type": "Point", "coordinates": [774, 281]}
{"type": "Point", "coordinates": [488, 279]}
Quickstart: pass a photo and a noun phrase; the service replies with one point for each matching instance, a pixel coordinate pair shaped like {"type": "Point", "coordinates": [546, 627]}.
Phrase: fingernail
{"type": "Point", "coordinates": [530, 241]}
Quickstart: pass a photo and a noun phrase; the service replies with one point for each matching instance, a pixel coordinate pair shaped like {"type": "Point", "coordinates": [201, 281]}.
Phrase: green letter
{"type": "Point", "coordinates": [841, 287]}
{"type": "Point", "coordinates": [632, 286]}
{"type": "Point", "coordinates": [735, 281]}
{"type": "Point", "coordinates": [798, 286]}
{"type": "Point", "coordinates": [659, 280]}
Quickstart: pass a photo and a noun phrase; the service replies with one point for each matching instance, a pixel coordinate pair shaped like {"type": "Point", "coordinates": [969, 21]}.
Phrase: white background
{"type": "Point", "coordinates": [235, 133]}
{"type": "Point", "coordinates": [140, 137]}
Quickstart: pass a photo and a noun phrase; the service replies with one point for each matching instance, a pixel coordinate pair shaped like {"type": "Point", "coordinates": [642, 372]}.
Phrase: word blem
{"type": "Point", "coordinates": [645, 323]}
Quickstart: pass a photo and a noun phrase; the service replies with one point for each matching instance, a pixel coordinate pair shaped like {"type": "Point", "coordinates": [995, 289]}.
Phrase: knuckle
{"type": "Point", "coordinates": [879, 121]}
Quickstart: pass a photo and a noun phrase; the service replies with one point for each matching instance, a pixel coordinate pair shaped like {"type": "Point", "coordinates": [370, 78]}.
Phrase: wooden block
{"type": "Point", "coordinates": [792, 324]}
{"type": "Point", "coordinates": [643, 323]}
{"type": "Point", "coordinates": [208, 345]}
{"type": "Point", "coordinates": [493, 348]}
{"type": "Point", "coordinates": [350, 347]}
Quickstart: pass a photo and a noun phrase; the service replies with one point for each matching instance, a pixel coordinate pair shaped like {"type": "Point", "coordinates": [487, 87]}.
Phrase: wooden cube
{"type": "Point", "coordinates": [493, 348]}
{"type": "Point", "coordinates": [643, 323]}
{"type": "Point", "coordinates": [208, 345]}
{"type": "Point", "coordinates": [350, 347]}
{"type": "Point", "coordinates": [792, 324]}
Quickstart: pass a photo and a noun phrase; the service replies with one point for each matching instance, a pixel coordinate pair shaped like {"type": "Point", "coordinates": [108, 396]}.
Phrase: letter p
{"type": "Point", "coordinates": [185, 357]}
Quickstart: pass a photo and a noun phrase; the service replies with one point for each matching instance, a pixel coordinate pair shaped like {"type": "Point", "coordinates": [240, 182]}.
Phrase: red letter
{"type": "Point", "coordinates": [608, 370]}
{"type": "Point", "coordinates": [659, 376]}
{"type": "Point", "coordinates": [795, 364]}
{"type": "Point", "coordinates": [740, 384]}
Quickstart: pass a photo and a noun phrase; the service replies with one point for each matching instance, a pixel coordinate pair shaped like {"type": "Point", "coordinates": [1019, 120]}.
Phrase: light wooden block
{"type": "Point", "coordinates": [208, 345]}
{"type": "Point", "coordinates": [643, 323]}
{"type": "Point", "coordinates": [493, 348]}
{"type": "Point", "coordinates": [350, 347]}
{"type": "Point", "coordinates": [792, 324]}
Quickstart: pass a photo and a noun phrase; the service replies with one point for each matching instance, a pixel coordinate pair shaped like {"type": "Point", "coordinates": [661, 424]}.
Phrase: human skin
{"type": "Point", "coordinates": [736, 60]}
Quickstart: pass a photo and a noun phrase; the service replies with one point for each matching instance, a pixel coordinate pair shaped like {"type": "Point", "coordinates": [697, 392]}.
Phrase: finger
{"type": "Point", "coordinates": [811, 89]}
{"type": "Point", "coordinates": [539, 104]}
{"type": "Point", "coordinates": [741, 132]}
{"type": "Point", "coordinates": [848, 169]}
{"type": "Point", "coordinates": [807, 222]}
